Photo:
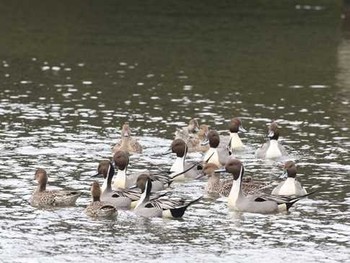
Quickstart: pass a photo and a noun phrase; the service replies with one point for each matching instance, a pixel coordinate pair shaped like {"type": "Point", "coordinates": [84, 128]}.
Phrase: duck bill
{"type": "Point", "coordinates": [199, 176]}
{"type": "Point", "coordinates": [271, 134]}
{"type": "Point", "coordinates": [97, 175]}
{"type": "Point", "coordinates": [205, 142]}
{"type": "Point", "coordinates": [241, 129]}
{"type": "Point", "coordinates": [222, 170]}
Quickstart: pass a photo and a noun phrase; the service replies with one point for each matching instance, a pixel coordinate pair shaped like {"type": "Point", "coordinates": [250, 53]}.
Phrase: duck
{"type": "Point", "coordinates": [259, 203]}
{"type": "Point", "coordinates": [187, 132]}
{"type": "Point", "coordinates": [215, 186]}
{"type": "Point", "coordinates": [97, 208]}
{"type": "Point", "coordinates": [119, 198]}
{"type": "Point", "coordinates": [164, 209]}
{"type": "Point", "coordinates": [272, 149]}
{"type": "Point", "coordinates": [46, 198]}
{"type": "Point", "coordinates": [181, 169]}
{"type": "Point", "coordinates": [235, 142]}
{"type": "Point", "coordinates": [195, 142]}
{"type": "Point", "coordinates": [290, 186]}
{"type": "Point", "coordinates": [123, 180]}
{"type": "Point", "coordinates": [215, 155]}
{"type": "Point", "coordinates": [127, 143]}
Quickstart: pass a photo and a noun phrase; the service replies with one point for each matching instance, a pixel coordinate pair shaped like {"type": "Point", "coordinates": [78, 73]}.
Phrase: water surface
{"type": "Point", "coordinates": [73, 73]}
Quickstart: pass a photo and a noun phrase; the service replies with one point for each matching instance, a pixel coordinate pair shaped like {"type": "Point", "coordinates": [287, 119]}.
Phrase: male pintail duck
{"type": "Point", "coordinates": [264, 204]}
{"type": "Point", "coordinates": [127, 143]}
{"type": "Point", "coordinates": [215, 155]}
{"type": "Point", "coordinates": [119, 198]}
{"type": "Point", "coordinates": [46, 198]}
{"type": "Point", "coordinates": [235, 142]}
{"type": "Point", "coordinates": [272, 149]}
{"type": "Point", "coordinates": [216, 186]}
{"type": "Point", "coordinates": [123, 180]}
{"type": "Point", "coordinates": [97, 208]}
{"type": "Point", "coordinates": [290, 186]}
{"type": "Point", "coordinates": [179, 147]}
{"type": "Point", "coordinates": [166, 209]}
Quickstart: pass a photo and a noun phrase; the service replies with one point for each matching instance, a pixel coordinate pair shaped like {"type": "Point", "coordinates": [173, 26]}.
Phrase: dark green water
{"type": "Point", "coordinates": [73, 71]}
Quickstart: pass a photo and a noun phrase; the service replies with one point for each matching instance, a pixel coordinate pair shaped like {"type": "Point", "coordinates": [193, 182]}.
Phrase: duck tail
{"type": "Point", "coordinates": [194, 201]}
{"type": "Point", "coordinates": [296, 199]}
{"type": "Point", "coordinates": [180, 211]}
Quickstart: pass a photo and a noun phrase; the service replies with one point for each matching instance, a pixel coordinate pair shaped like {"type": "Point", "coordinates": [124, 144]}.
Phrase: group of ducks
{"type": "Point", "coordinates": [147, 195]}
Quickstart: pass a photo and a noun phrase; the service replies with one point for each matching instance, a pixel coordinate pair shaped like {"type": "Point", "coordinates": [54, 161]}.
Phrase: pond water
{"type": "Point", "coordinates": [73, 72]}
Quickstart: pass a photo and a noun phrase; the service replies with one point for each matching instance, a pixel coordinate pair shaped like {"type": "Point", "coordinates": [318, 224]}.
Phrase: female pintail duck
{"type": "Point", "coordinates": [290, 186]}
{"type": "Point", "coordinates": [179, 147]}
{"type": "Point", "coordinates": [120, 198]}
{"type": "Point", "coordinates": [272, 149]}
{"type": "Point", "coordinates": [215, 155]}
{"type": "Point", "coordinates": [195, 141]}
{"type": "Point", "coordinates": [235, 142]}
{"type": "Point", "coordinates": [45, 198]}
{"type": "Point", "coordinates": [166, 209]}
{"type": "Point", "coordinates": [97, 208]}
{"type": "Point", "coordinates": [127, 143]}
{"type": "Point", "coordinates": [123, 180]}
{"type": "Point", "coordinates": [186, 132]}
{"type": "Point", "coordinates": [264, 204]}
{"type": "Point", "coordinates": [216, 186]}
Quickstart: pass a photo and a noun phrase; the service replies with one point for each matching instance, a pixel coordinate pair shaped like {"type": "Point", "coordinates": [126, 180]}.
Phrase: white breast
{"type": "Point", "coordinates": [273, 151]}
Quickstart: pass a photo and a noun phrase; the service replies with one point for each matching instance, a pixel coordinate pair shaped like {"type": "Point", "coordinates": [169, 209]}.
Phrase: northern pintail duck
{"type": "Point", "coordinates": [264, 204]}
{"type": "Point", "coordinates": [179, 147]}
{"type": "Point", "coordinates": [186, 132]}
{"type": "Point", "coordinates": [290, 186]}
{"type": "Point", "coordinates": [235, 142]}
{"type": "Point", "coordinates": [127, 143]}
{"type": "Point", "coordinates": [123, 180]}
{"type": "Point", "coordinates": [119, 198]}
{"type": "Point", "coordinates": [217, 186]}
{"type": "Point", "coordinates": [166, 209]}
{"type": "Point", "coordinates": [193, 135]}
{"type": "Point", "coordinates": [215, 155]}
{"type": "Point", "coordinates": [97, 208]}
{"type": "Point", "coordinates": [46, 198]}
{"type": "Point", "coordinates": [195, 142]}
{"type": "Point", "coordinates": [272, 149]}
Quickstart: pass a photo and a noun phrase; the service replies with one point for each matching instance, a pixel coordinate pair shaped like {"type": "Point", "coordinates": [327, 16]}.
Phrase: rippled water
{"type": "Point", "coordinates": [64, 99]}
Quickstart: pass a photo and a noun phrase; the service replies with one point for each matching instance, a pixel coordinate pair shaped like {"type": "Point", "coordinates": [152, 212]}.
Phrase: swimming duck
{"type": "Point", "coordinates": [290, 186]}
{"type": "Point", "coordinates": [179, 147]}
{"type": "Point", "coordinates": [216, 186]}
{"type": "Point", "coordinates": [215, 155]}
{"type": "Point", "coordinates": [235, 142]}
{"type": "Point", "coordinates": [45, 198]}
{"type": "Point", "coordinates": [119, 198]}
{"type": "Point", "coordinates": [127, 143]}
{"type": "Point", "coordinates": [195, 142]}
{"type": "Point", "coordinates": [97, 208]}
{"type": "Point", "coordinates": [186, 132]}
{"type": "Point", "coordinates": [165, 209]}
{"type": "Point", "coordinates": [264, 204]}
{"type": "Point", "coordinates": [272, 149]}
{"type": "Point", "coordinates": [123, 181]}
